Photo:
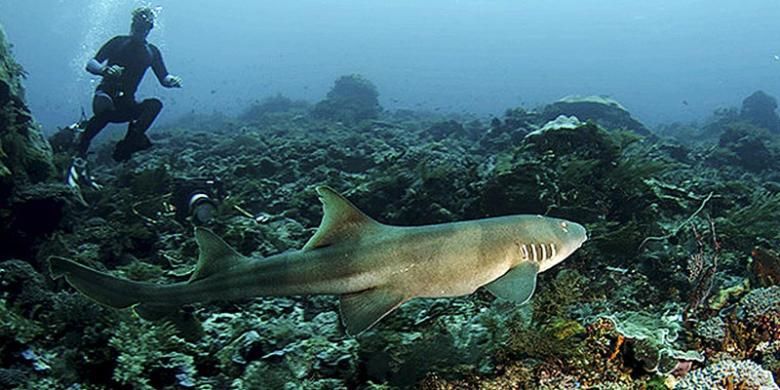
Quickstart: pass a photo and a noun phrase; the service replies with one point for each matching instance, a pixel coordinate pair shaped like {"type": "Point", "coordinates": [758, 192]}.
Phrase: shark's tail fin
{"type": "Point", "coordinates": [101, 287]}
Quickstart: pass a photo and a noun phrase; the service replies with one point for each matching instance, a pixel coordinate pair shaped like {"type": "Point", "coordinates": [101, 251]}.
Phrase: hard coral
{"type": "Point", "coordinates": [760, 302]}
{"type": "Point", "coordinates": [604, 111]}
{"type": "Point", "coordinates": [729, 374]}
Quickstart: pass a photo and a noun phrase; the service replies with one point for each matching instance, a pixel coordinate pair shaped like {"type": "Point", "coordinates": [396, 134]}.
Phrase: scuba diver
{"type": "Point", "coordinates": [122, 62]}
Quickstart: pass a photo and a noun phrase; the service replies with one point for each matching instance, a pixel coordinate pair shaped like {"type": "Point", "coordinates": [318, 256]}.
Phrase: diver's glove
{"type": "Point", "coordinates": [171, 81]}
{"type": "Point", "coordinates": [113, 71]}
{"type": "Point", "coordinates": [78, 175]}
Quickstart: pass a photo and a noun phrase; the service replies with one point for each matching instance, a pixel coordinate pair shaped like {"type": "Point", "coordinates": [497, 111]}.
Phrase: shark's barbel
{"type": "Point", "coordinates": [373, 267]}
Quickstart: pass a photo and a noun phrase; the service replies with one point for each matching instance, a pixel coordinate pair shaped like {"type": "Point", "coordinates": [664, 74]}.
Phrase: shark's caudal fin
{"type": "Point", "coordinates": [101, 287]}
{"type": "Point", "coordinates": [215, 256]}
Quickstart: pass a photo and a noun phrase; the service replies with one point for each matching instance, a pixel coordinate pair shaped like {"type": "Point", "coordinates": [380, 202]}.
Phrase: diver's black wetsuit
{"type": "Point", "coordinates": [136, 56]}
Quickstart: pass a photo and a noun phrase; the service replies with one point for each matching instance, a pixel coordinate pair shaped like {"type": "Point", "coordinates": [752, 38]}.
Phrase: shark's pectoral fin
{"type": "Point", "coordinates": [341, 221]}
{"type": "Point", "coordinates": [360, 311]}
{"type": "Point", "coordinates": [517, 285]}
{"type": "Point", "coordinates": [215, 254]}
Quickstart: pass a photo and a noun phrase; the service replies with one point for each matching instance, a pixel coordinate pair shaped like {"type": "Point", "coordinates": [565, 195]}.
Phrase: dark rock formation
{"type": "Point", "coordinates": [352, 99]}
{"type": "Point", "coordinates": [446, 129]}
{"type": "Point", "coordinates": [606, 112]}
{"type": "Point", "coordinates": [759, 109]}
{"type": "Point", "coordinates": [30, 206]}
{"type": "Point", "coordinates": [746, 146]}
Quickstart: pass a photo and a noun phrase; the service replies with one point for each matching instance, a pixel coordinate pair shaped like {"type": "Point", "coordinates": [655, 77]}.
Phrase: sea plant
{"type": "Point", "coordinates": [654, 339]}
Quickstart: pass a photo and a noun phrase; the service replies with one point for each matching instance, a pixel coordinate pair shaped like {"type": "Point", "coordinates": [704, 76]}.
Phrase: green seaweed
{"type": "Point", "coordinates": [14, 326]}
{"type": "Point", "coordinates": [145, 349]}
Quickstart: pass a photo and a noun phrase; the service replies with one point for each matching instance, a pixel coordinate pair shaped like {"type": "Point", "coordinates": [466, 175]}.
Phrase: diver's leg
{"type": "Point", "coordinates": [102, 109]}
{"type": "Point", "coordinates": [147, 112]}
{"type": "Point", "coordinates": [94, 126]}
{"type": "Point", "coordinates": [135, 140]}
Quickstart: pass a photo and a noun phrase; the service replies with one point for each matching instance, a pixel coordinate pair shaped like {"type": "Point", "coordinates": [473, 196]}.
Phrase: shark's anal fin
{"type": "Point", "coordinates": [517, 285]}
{"type": "Point", "coordinates": [152, 312]}
{"type": "Point", "coordinates": [341, 221]}
{"type": "Point", "coordinates": [360, 311]}
{"type": "Point", "coordinates": [215, 254]}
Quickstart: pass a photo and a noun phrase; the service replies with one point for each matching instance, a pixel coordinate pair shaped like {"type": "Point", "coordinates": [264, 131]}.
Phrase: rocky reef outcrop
{"type": "Point", "coordinates": [607, 112]}
{"type": "Point", "coordinates": [758, 109]}
{"type": "Point", "coordinates": [30, 205]}
{"type": "Point", "coordinates": [353, 98]}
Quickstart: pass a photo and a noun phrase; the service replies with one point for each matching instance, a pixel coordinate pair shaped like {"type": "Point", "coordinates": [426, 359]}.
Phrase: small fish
{"type": "Point", "coordinates": [373, 267]}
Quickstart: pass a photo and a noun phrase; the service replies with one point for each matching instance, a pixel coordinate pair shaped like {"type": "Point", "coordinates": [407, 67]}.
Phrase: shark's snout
{"type": "Point", "coordinates": [579, 232]}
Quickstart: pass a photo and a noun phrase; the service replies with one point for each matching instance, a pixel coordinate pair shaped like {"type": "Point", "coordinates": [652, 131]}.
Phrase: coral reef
{"type": "Point", "coordinates": [759, 110]}
{"type": "Point", "coordinates": [607, 318]}
{"type": "Point", "coordinates": [602, 110]}
{"type": "Point", "coordinates": [30, 207]}
{"type": "Point", "coordinates": [653, 340]}
{"type": "Point", "coordinates": [274, 105]}
{"type": "Point", "coordinates": [729, 374]}
{"type": "Point", "coordinates": [353, 98]}
{"type": "Point", "coordinates": [765, 267]}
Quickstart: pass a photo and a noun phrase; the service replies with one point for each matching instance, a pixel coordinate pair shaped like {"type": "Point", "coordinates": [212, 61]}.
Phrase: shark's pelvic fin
{"type": "Point", "coordinates": [517, 285]}
{"type": "Point", "coordinates": [215, 255]}
{"type": "Point", "coordinates": [341, 221]}
{"type": "Point", "coordinates": [360, 311]}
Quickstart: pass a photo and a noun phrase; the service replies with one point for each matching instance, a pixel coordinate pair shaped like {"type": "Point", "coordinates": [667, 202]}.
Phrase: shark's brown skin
{"type": "Point", "coordinates": [372, 266]}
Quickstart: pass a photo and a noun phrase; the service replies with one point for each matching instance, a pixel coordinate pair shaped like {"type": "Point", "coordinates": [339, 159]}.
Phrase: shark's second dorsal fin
{"type": "Point", "coordinates": [341, 220]}
{"type": "Point", "coordinates": [215, 254]}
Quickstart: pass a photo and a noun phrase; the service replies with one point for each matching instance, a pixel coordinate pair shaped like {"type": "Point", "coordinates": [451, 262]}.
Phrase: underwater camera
{"type": "Point", "coordinates": [197, 199]}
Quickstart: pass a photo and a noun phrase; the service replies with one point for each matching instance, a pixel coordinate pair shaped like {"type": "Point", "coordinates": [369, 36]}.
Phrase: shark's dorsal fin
{"type": "Point", "coordinates": [360, 311]}
{"type": "Point", "coordinates": [341, 220]}
{"type": "Point", "coordinates": [215, 254]}
{"type": "Point", "coordinates": [518, 284]}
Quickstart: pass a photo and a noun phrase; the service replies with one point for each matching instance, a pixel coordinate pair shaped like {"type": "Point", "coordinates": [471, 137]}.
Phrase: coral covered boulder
{"type": "Point", "coordinates": [759, 110]}
{"type": "Point", "coordinates": [26, 163]}
{"type": "Point", "coordinates": [353, 98]}
{"type": "Point", "coordinates": [605, 111]}
{"type": "Point", "coordinates": [24, 153]}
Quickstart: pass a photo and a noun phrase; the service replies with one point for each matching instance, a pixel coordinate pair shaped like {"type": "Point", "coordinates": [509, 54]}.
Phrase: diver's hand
{"type": "Point", "coordinates": [113, 71]}
{"type": "Point", "coordinates": [172, 81]}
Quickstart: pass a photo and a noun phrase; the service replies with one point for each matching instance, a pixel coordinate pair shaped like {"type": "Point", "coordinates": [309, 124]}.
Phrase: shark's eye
{"type": "Point", "coordinates": [565, 226]}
